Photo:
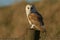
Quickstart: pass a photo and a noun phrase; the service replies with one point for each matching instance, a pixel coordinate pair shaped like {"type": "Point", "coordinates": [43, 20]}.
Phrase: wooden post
{"type": "Point", "coordinates": [37, 35]}
{"type": "Point", "coordinates": [33, 35]}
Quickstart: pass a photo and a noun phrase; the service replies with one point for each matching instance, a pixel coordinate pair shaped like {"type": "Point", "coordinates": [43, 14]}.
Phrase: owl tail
{"type": "Point", "coordinates": [44, 28]}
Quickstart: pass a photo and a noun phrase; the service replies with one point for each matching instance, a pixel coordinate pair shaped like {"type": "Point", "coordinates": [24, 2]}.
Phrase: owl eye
{"type": "Point", "coordinates": [28, 7]}
{"type": "Point", "coordinates": [31, 7]}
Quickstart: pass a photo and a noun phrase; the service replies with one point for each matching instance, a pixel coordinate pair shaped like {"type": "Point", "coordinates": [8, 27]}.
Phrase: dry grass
{"type": "Point", "coordinates": [14, 24]}
{"type": "Point", "coordinates": [51, 12]}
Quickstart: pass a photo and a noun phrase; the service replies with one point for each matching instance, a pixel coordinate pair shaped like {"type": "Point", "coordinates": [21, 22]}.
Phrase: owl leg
{"type": "Point", "coordinates": [32, 27]}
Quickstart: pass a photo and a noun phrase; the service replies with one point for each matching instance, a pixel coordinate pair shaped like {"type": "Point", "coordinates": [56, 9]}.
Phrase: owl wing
{"type": "Point", "coordinates": [37, 20]}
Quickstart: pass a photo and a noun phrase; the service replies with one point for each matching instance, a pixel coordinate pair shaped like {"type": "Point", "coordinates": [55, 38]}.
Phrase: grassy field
{"type": "Point", "coordinates": [14, 24]}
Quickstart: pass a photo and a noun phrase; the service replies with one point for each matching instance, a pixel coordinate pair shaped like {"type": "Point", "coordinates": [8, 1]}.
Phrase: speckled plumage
{"type": "Point", "coordinates": [35, 19]}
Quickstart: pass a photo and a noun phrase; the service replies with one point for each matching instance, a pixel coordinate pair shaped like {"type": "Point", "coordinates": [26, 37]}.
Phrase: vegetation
{"type": "Point", "coordinates": [14, 24]}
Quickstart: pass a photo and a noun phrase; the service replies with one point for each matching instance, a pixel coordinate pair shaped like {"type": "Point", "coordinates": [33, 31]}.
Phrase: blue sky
{"type": "Point", "coordinates": [9, 2]}
{"type": "Point", "coordinates": [32, 1]}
